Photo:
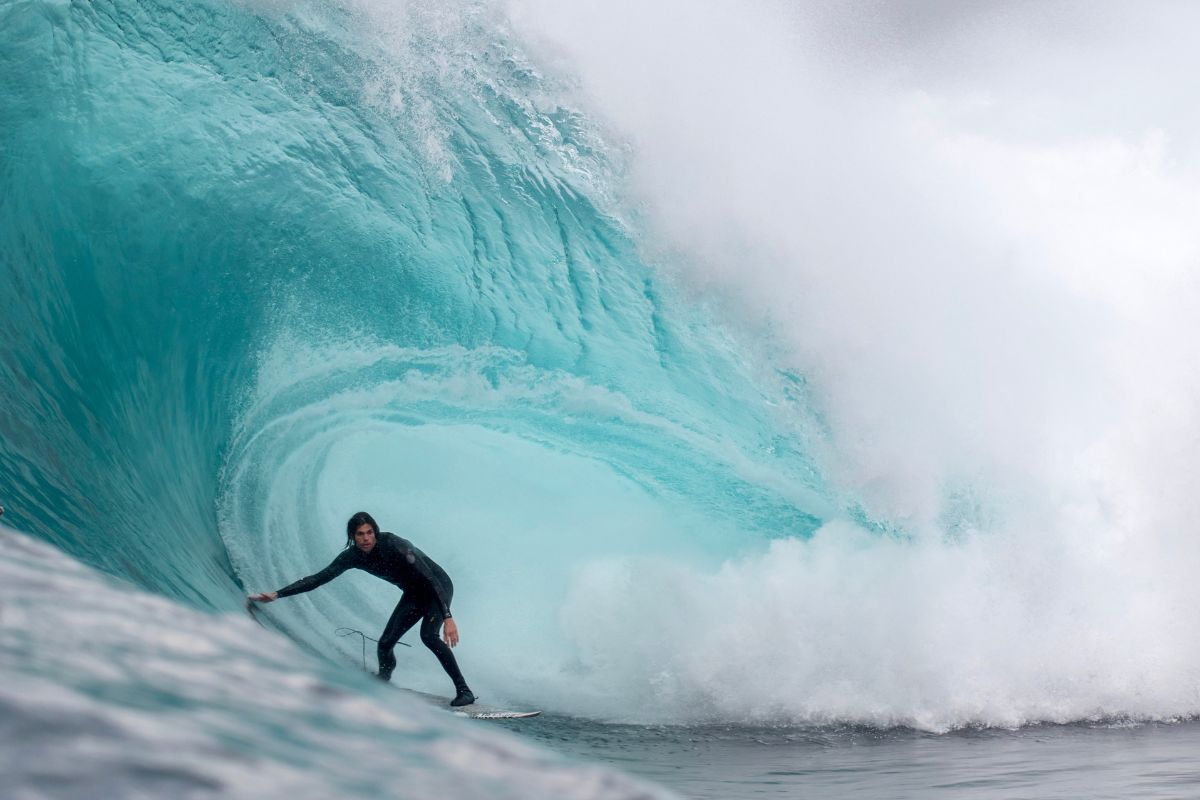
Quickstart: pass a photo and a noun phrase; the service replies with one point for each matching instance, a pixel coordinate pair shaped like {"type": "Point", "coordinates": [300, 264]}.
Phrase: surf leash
{"type": "Point", "coordinates": [352, 631]}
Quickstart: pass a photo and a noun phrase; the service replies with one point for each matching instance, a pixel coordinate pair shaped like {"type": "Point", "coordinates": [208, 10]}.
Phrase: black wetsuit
{"type": "Point", "coordinates": [427, 594]}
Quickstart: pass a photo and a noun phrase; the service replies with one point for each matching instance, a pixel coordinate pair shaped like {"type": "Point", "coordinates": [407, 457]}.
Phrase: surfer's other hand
{"type": "Point", "coordinates": [450, 632]}
{"type": "Point", "coordinates": [265, 597]}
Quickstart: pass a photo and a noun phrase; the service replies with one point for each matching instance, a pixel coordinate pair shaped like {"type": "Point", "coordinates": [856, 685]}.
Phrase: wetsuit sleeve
{"type": "Point", "coordinates": [421, 564]}
{"type": "Point", "coordinates": [339, 565]}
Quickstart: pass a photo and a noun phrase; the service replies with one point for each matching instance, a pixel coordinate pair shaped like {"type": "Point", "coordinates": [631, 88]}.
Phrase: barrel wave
{"type": "Point", "coordinates": [266, 265]}
{"type": "Point", "coordinates": [264, 268]}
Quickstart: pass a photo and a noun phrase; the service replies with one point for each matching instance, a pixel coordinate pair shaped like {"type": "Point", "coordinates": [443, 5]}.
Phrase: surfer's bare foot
{"type": "Point", "coordinates": [465, 698]}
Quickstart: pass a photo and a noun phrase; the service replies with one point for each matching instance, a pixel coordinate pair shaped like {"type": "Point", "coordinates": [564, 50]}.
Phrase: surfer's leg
{"type": "Point", "coordinates": [404, 617]}
{"type": "Point", "coordinates": [431, 626]}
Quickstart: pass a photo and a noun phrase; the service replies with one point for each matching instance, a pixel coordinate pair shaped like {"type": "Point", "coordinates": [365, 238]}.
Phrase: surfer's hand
{"type": "Point", "coordinates": [265, 597]}
{"type": "Point", "coordinates": [450, 632]}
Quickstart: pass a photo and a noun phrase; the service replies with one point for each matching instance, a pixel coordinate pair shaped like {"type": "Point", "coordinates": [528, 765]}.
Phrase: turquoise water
{"type": "Point", "coordinates": [264, 265]}
{"type": "Point", "coordinates": [261, 270]}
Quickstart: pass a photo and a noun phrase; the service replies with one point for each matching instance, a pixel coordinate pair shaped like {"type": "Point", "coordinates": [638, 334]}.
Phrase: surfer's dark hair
{"type": "Point", "coordinates": [357, 521]}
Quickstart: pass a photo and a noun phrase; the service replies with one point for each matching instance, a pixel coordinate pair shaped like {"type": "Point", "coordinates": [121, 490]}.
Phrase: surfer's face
{"type": "Point", "coordinates": [364, 537]}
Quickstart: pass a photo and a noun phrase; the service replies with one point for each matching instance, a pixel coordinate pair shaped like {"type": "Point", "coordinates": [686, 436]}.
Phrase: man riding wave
{"type": "Point", "coordinates": [427, 594]}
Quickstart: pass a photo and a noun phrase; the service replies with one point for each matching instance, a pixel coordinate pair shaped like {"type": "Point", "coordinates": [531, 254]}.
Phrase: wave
{"type": "Point", "coordinates": [270, 264]}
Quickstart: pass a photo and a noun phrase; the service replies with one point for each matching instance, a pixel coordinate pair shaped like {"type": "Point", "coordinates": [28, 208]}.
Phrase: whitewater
{"type": "Point", "coordinates": [799, 397]}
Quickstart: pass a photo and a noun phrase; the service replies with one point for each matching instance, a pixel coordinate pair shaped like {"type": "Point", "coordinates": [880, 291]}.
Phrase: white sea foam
{"type": "Point", "coordinates": [974, 233]}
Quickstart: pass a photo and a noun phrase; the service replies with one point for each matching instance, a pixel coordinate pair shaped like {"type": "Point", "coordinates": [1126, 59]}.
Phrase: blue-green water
{"type": "Point", "coordinates": [264, 265]}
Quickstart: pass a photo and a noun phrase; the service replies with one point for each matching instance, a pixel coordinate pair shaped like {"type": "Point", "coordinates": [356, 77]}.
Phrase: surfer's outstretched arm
{"type": "Point", "coordinates": [339, 565]}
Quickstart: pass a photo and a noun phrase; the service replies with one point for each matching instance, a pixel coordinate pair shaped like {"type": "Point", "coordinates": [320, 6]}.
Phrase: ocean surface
{"type": "Point", "coordinates": [775, 441]}
{"type": "Point", "coordinates": [1106, 760]}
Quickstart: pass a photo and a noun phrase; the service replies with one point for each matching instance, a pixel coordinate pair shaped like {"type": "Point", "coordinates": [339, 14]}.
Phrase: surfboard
{"type": "Point", "coordinates": [473, 711]}
{"type": "Point", "coordinates": [463, 711]}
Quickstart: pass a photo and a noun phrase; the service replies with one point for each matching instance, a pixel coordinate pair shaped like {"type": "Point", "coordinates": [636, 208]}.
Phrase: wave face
{"type": "Point", "coordinates": [268, 265]}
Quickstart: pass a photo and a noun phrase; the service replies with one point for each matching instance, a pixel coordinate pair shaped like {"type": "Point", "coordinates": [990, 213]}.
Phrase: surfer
{"type": "Point", "coordinates": [427, 593]}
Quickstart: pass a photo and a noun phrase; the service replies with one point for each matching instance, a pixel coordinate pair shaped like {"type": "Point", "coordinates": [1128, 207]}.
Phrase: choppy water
{"type": "Point", "coordinates": [1105, 760]}
{"type": "Point", "coordinates": [804, 433]}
